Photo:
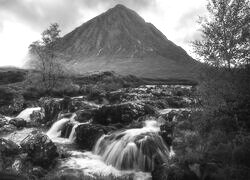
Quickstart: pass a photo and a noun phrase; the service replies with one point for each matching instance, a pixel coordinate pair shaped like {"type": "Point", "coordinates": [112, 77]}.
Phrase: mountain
{"type": "Point", "coordinates": [121, 40]}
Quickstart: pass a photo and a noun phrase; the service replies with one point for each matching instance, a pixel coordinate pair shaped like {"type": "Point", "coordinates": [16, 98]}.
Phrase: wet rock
{"type": "Point", "coordinates": [37, 117]}
{"type": "Point", "coordinates": [3, 121]}
{"type": "Point", "coordinates": [41, 150]}
{"type": "Point", "coordinates": [123, 113]}
{"type": "Point", "coordinates": [166, 132]}
{"type": "Point", "coordinates": [18, 122]}
{"type": "Point", "coordinates": [66, 130]}
{"type": "Point", "coordinates": [8, 153]}
{"type": "Point", "coordinates": [88, 134]}
{"type": "Point", "coordinates": [9, 148]}
{"type": "Point", "coordinates": [84, 115]}
{"type": "Point", "coordinates": [52, 107]}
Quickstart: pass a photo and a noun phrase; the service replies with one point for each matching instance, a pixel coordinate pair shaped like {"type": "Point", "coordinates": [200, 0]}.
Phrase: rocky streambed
{"type": "Point", "coordinates": [131, 133]}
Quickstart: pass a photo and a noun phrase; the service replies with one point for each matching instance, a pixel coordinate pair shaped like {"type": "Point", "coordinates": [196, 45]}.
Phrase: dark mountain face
{"type": "Point", "coordinates": [120, 39]}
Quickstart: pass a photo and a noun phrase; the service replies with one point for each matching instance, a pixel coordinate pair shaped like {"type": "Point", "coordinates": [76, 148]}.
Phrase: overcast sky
{"type": "Point", "coordinates": [22, 21]}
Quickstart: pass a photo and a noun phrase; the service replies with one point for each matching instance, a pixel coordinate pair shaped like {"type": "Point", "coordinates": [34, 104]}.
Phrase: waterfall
{"type": "Point", "coordinates": [25, 114]}
{"type": "Point", "coordinates": [133, 149]}
{"type": "Point", "coordinates": [72, 133]}
{"type": "Point", "coordinates": [55, 130]}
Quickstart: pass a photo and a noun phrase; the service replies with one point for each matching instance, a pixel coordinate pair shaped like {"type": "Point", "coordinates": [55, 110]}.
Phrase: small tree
{"type": "Point", "coordinates": [225, 34]}
{"type": "Point", "coordinates": [45, 60]}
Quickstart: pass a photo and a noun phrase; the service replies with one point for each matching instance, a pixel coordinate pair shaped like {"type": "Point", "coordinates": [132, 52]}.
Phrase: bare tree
{"type": "Point", "coordinates": [45, 59]}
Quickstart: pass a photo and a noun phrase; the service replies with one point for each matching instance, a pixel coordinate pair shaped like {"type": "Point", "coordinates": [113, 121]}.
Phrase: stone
{"type": "Point", "coordinates": [123, 113]}
{"type": "Point", "coordinates": [18, 122]}
{"type": "Point", "coordinates": [84, 115]}
{"type": "Point", "coordinates": [8, 128]}
{"type": "Point", "coordinates": [40, 149]}
{"type": "Point", "coordinates": [88, 134]}
{"type": "Point", "coordinates": [8, 148]}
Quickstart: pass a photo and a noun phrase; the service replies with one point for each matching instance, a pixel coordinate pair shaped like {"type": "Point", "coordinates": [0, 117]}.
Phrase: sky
{"type": "Point", "coordinates": [22, 21]}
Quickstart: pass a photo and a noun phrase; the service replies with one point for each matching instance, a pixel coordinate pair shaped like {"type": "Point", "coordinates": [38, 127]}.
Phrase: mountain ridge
{"type": "Point", "coordinates": [121, 37]}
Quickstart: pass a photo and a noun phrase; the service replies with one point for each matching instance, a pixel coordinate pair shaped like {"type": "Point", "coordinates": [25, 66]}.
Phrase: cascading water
{"type": "Point", "coordinates": [125, 152]}
{"type": "Point", "coordinates": [55, 131]}
{"type": "Point", "coordinates": [133, 149]}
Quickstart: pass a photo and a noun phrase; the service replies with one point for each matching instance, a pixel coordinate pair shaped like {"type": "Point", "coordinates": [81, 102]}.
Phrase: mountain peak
{"type": "Point", "coordinates": [119, 33]}
{"type": "Point", "coordinates": [119, 6]}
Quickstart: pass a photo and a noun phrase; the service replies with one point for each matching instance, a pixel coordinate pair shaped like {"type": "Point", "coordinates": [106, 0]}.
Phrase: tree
{"type": "Point", "coordinates": [225, 34]}
{"type": "Point", "coordinates": [45, 59]}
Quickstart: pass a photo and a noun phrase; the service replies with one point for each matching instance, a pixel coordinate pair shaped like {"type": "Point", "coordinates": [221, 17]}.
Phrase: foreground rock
{"type": "Point", "coordinates": [8, 148]}
{"type": "Point", "coordinates": [8, 152]}
{"type": "Point", "coordinates": [40, 149]}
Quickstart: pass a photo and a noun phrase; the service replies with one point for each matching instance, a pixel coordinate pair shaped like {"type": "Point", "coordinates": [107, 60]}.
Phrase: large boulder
{"type": "Point", "coordinates": [7, 128]}
{"type": "Point", "coordinates": [88, 134]}
{"type": "Point", "coordinates": [8, 152]}
{"type": "Point", "coordinates": [9, 148]}
{"type": "Point", "coordinates": [40, 149]}
{"type": "Point", "coordinates": [52, 107]}
{"type": "Point", "coordinates": [18, 122]}
{"type": "Point", "coordinates": [84, 115]}
{"type": "Point", "coordinates": [123, 113]}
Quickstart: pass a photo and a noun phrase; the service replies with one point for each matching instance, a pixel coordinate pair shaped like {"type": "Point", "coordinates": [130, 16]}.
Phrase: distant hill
{"type": "Point", "coordinates": [10, 75]}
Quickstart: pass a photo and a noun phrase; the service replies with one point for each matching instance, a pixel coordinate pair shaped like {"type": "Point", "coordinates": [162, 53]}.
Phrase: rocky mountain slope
{"type": "Point", "coordinates": [121, 40]}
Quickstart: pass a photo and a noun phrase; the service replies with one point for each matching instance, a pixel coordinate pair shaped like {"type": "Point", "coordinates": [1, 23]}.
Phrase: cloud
{"type": "Point", "coordinates": [1, 27]}
{"type": "Point", "coordinates": [189, 18]}
{"type": "Point", "coordinates": [40, 13]}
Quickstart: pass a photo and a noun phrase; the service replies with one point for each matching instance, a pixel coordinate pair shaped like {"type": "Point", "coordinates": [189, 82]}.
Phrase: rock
{"type": "Point", "coordinates": [38, 172]}
{"type": "Point", "coordinates": [3, 121]}
{"type": "Point", "coordinates": [84, 115]}
{"type": "Point", "coordinates": [66, 130]}
{"type": "Point", "coordinates": [41, 150]}
{"type": "Point", "coordinates": [88, 134]}
{"type": "Point", "coordinates": [18, 122]}
{"type": "Point", "coordinates": [8, 128]}
{"type": "Point", "coordinates": [8, 148]}
{"type": "Point", "coordinates": [166, 132]}
{"type": "Point", "coordinates": [37, 117]}
{"type": "Point", "coordinates": [17, 166]}
{"type": "Point", "coordinates": [173, 173]}
{"type": "Point", "coordinates": [8, 153]}
{"type": "Point", "coordinates": [123, 113]}
{"type": "Point", "coordinates": [52, 107]}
